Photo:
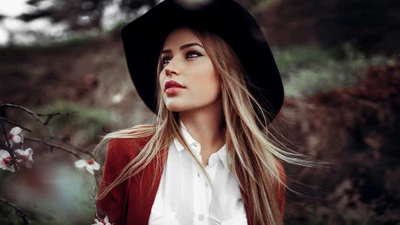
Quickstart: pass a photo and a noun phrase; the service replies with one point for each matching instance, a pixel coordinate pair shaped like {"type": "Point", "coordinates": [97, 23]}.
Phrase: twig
{"type": "Point", "coordinates": [34, 115]}
{"type": "Point", "coordinates": [54, 146]}
{"type": "Point", "coordinates": [51, 115]}
{"type": "Point", "coordinates": [18, 210]}
{"type": "Point", "coordinates": [15, 124]}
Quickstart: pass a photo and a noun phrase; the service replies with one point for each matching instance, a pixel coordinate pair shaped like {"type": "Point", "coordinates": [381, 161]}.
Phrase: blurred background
{"type": "Point", "coordinates": [341, 68]}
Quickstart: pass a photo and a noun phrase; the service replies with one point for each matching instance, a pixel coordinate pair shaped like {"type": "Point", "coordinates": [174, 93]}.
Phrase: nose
{"type": "Point", "coordinates": [171, 69]}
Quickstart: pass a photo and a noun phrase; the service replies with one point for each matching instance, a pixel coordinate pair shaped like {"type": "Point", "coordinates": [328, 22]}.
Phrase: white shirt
{"type": "Point", "coordinates": [184, 196]}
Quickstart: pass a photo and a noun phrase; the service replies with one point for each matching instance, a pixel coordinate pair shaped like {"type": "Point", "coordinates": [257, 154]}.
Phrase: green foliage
{"type": "Point", "coordinates": [69, 40]}
{"type": "Point", "coordinates": [84, 122]}
{"type": "Point", "coordinates": [295, 57]}
{"type": "Point", "coordinates": [72, 39]}
{"type": "Point", "coordinates": [118, 26]}
{"type": "Point", "coordinates": [76, 38]}
{"type": "Point", "coordinates": [308, 69]}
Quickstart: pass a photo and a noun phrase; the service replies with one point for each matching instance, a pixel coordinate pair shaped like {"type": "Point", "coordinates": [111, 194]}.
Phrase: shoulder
{"type": "Point", "coordinates": [126, 147]}
{"type": "Point", "coordinates": [130, 139]}
{"type": "Point", "coordinates": [120, 152]}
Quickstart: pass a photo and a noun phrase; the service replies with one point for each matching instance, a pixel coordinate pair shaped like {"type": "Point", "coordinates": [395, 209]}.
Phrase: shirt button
{"type": "Point", "coordinates": [207, 184]}
{"type": "Point", "coordinates": [201, 217]}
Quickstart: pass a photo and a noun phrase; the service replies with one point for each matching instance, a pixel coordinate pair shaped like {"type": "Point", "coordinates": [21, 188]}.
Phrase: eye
{"type": "Point", "coordinates": [192, 54]}
{"type": "Point", "coordinates": [165, 60]}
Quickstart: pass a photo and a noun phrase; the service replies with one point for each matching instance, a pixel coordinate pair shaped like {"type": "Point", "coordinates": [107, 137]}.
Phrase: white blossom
{"type": "Point", "coordinates": [25, 156]}
{"type": "Point", "coordinates": [15, 136]}
{"type": "Point", "coordinates": [6, 161]}
{"type": "Point", "coordinates": [89, 165]}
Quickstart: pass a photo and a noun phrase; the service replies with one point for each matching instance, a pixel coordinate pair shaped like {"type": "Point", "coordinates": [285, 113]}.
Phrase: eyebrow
{"type": "Point", "coordinates": [182, 47]}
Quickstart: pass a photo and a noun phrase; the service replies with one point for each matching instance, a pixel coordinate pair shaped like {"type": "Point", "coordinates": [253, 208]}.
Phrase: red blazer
{"type": "Point", "coordinates": [131, 201]}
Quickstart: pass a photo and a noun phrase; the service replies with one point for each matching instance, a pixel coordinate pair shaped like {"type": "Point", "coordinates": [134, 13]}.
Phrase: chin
{"type": "Point", "coordinates": [177, 107]}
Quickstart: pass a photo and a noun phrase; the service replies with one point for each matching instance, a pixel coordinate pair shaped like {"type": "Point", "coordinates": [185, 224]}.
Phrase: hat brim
{"type": "Point", "coordinates": [143, 40]}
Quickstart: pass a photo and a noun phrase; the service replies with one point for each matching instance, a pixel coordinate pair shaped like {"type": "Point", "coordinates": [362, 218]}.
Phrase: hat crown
{"type": "Point", "coordinates": [144, 37]}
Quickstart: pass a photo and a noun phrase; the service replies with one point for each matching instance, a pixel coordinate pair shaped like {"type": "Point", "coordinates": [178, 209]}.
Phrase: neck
{"type": "Point", "coordinates": [205, 126]}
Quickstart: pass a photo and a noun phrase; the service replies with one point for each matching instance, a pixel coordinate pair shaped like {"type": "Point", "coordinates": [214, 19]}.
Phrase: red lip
{"type": "Point", "coordinates": [172, 83]}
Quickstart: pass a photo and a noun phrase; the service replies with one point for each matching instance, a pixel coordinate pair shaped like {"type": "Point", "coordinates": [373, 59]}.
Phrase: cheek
{"type": "Point", "coordinates": [216, 87]}
{"type": "Point", "coordinates": [209, 84]}
{"type": "Point", "coordinates": [214, 78]}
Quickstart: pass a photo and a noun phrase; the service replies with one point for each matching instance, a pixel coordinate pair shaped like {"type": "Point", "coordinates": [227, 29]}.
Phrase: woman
{"type": "Point", "coordinates": [207, 72]}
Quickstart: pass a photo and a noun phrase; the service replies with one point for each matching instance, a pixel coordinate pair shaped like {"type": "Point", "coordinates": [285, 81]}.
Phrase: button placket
{"type": "Point", "coordinates": [201, 217]}
{"type": "Point", "coordinates": [195, 147]}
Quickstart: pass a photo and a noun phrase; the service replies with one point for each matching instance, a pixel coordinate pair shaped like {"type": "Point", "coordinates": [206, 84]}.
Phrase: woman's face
{"type": "Point", "coordinates": [188, 79]}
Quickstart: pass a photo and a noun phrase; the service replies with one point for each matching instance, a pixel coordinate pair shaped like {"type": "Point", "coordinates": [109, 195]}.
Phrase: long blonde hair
{"type": "Point", "coordinates": [248, 140]}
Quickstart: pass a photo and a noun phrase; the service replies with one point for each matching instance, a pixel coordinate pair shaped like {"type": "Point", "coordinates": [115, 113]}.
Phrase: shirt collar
{"type": "Point", "coordinates": [186, 136]}
{"type": "Point", "coordinates": [222, 153]}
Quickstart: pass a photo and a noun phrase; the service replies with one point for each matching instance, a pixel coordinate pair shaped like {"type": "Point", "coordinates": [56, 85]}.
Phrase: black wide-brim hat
{"type": "Point", "coordinates": [144, 38]}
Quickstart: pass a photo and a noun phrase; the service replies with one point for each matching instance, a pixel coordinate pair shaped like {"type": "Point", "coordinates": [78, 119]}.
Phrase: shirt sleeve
{"type": "Point", "coordinates": [112, 205]}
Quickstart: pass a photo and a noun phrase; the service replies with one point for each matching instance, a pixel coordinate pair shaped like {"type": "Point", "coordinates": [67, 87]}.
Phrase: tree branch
{"type": "Point", "coordinates": [15, 124]}
{"type": "Point", "coordinates": [18, 210]}
{"type": "Point", "coordinates": [54, 146]}
{"type": "Point", "coordinates": [34, 115]}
